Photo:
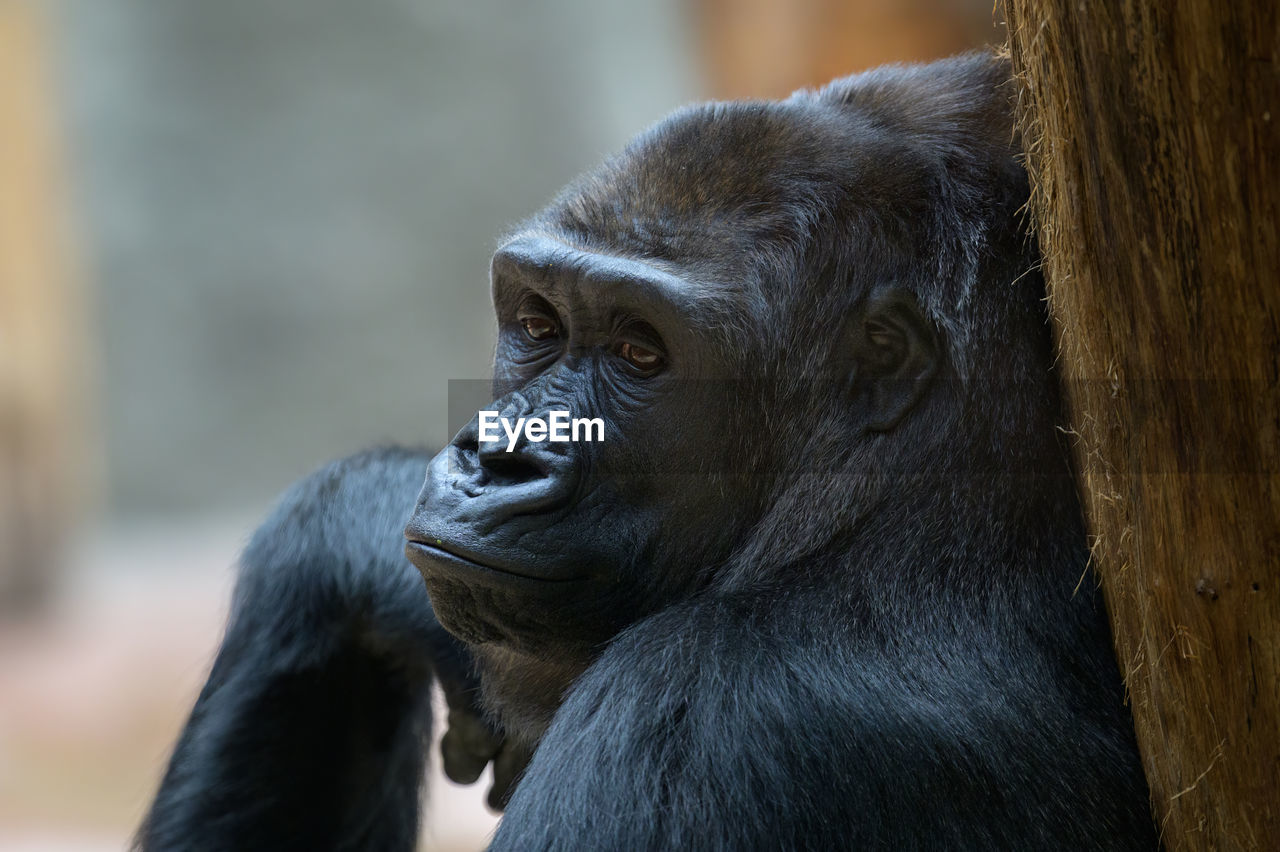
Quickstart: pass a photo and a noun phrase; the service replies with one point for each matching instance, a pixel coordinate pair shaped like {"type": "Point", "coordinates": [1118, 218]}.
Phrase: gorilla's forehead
{"type": "Point", "coordinates": [716, 187]}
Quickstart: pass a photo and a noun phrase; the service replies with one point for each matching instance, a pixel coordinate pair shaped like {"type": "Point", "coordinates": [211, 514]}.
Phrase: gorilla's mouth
{"type": "Point", "coordinates": [439, 558]}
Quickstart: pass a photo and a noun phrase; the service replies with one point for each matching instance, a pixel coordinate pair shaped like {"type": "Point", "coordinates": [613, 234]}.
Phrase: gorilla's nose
{"type": "Point", "coordinates": [512, 466]}
{"type": "Point", "coordinates": [488, 482]}
{"type": "Point", "coordinates": [501, 456]}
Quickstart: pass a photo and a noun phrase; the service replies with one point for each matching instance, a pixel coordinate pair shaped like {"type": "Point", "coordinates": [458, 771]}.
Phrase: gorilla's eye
{"type": "Point", "coordinates": [539, 328]}
{"type": "Point", "coordinates": [641, 358]}
{"type": "Point", "coordinates": [538, 319]}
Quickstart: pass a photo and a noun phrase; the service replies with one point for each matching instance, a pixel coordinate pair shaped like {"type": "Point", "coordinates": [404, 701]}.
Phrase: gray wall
{"type": "Point", "coordinates": [287, 208]}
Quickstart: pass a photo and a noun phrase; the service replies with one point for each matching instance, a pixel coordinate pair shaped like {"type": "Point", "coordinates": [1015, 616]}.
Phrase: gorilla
{"type": "Point", "coordinates": [823, 584]}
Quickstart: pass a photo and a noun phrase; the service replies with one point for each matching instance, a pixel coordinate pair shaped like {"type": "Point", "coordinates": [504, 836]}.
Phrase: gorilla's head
{"type": "Point", "coordinates": [802, 323]}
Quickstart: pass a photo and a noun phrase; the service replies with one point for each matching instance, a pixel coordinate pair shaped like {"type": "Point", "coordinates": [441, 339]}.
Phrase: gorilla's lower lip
{"type": "Point", "coordinates": [420, 551]}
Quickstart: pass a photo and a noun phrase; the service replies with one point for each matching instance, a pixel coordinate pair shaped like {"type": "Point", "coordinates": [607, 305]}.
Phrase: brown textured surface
{"type": "Point", "coordinates": [1153, 132]}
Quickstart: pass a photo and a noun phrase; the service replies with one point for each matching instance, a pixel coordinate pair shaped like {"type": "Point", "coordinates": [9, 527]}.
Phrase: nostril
{"type": "Point", "coordinates": [511, 468]}
{"type": "Point", "coordinates": [467, 441]}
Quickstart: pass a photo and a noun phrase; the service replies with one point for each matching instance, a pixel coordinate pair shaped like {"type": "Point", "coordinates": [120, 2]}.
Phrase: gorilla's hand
{"type": "Point", "coordinates": [471, 740]}
{"type": "Point", "coordinates": [470, 743]}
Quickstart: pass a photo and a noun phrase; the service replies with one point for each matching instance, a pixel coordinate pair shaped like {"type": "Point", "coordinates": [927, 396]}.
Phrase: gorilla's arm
{"type": "Point", "coordinates": [312, 730]}
{"type": "Point", "coordinates": [742, 724]}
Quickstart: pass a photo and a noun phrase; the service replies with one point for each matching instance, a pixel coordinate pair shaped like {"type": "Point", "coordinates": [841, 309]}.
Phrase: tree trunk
{"type": "Point", "coordinates": [1153, 138]}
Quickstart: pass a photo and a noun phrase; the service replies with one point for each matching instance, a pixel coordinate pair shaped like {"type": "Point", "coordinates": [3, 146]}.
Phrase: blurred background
{"type": "Point", "coordinates": [239, 238]}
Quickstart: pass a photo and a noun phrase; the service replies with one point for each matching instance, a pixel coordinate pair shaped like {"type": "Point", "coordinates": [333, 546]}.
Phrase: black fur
{"type": "Point", "coordinates": [823, 586]}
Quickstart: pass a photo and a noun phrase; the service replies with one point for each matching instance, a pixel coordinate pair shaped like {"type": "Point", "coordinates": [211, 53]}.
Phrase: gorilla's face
{"type": "Point", "coordinates": [726, 298]}
{"type": "Point", "coordinates": [545, 543]}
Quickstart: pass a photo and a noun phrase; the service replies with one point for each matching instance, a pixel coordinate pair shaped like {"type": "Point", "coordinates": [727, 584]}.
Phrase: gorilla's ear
{"type": "Point", "coordinates": [894, 352]}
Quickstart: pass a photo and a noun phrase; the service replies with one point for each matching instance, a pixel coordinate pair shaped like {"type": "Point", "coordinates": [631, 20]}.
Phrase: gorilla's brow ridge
{"type": "Point", "coordinates": [544, 257]}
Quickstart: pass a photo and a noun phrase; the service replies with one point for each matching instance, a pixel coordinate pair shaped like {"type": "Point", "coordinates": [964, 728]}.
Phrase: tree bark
{"type": "Point", "coordinates": [1152, 131]}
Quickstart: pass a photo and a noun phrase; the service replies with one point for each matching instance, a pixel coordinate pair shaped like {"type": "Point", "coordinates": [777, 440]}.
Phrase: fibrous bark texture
{"type": "Point", "coordinates": [1152, 131]}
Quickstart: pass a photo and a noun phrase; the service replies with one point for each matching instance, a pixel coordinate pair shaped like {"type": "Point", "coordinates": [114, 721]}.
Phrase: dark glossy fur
{"type": "Point", "coordinates": [903, 649]}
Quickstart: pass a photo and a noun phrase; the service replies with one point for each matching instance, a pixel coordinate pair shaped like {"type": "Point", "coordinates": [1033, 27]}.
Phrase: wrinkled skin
{"type": "Point", "coordinates": [818, 587]}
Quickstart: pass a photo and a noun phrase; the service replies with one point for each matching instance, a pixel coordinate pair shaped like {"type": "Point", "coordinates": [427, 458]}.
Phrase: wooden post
{"type": "Point", "coordinates": [1153, 138]}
